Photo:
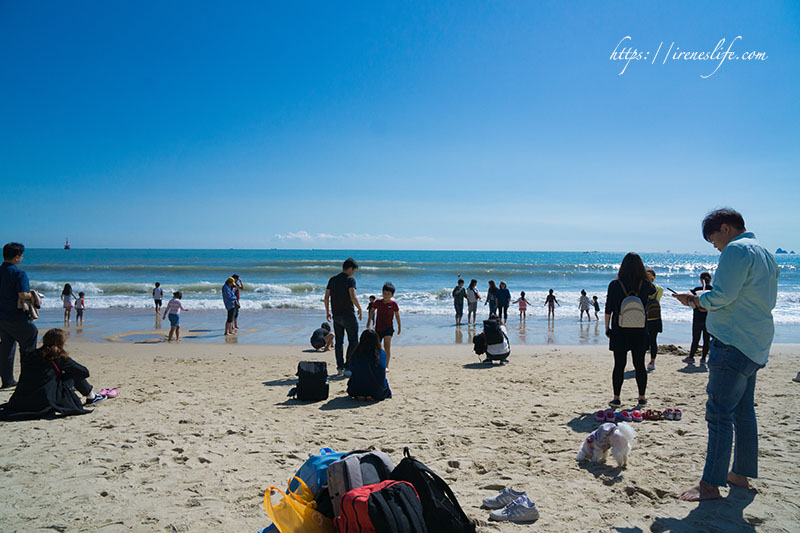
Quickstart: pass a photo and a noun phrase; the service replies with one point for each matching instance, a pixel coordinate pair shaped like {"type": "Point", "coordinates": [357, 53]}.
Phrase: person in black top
{"type": "Point", "coordinates": [48, 381]}
{"type": "Point", "coordinates": [16, 325]}
{"type": "Point", "coordinates": [322, 337]}
{"type": "Point", "coordinates": [340, 297]}
{"type": "Point", "coordinates": [632, 279]}
{"type": "Point", "coordinates": [699, 323]}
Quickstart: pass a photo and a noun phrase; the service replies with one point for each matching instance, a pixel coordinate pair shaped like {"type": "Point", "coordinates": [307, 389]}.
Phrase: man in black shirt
{"type": "Point", "coordinates": [340, 297]}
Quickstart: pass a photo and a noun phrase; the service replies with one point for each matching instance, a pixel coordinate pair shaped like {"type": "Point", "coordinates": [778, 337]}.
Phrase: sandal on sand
{"type": "Point", "coordinates": [610, 417]}
{"type": "Point", "coordinates": [600, 416]}
{"type": "Point", "coordinates": [651, 414]}
{"type": "Point", "coordinates": [669, 414]}
{"type": "Point", "coordinates": [110, 393]}
{"type": "Point", "coordinates": [677, 414]}
{"type": "Point", "coordinates": [636, 415]}
{"type": "Point", "coordinates": [626, 416]}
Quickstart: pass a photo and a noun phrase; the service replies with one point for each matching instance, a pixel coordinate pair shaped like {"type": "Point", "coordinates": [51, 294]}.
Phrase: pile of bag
{"type": "Point", "coordinates": [362, 491]}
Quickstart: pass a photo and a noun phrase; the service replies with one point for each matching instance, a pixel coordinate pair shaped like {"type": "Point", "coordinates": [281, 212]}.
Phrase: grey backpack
{"type": "Point", "coordinates": [631, 310]}
{"type": "Point", "coordinates": [356, 469]}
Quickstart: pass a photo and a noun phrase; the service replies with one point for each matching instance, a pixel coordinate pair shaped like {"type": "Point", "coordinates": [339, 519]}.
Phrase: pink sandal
{"type": "Point", "coordinates": [109, 393]}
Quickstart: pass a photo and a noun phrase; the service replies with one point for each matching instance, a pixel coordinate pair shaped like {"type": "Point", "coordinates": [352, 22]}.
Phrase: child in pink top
{"type": "Point", "coordinates": [523, 306]}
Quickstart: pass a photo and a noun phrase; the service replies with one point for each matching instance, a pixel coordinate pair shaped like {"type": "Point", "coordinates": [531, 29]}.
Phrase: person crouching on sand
{"type": "Point", "coordinates": [322, 338]}
{"type": "Point", "coordinates": [173, 310]}
{"type": "Point", "coordinates": [48, 381]}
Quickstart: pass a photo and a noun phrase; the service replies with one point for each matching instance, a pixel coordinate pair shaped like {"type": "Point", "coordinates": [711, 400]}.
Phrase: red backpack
{"type": "Point", "coordinates": [386, 507]}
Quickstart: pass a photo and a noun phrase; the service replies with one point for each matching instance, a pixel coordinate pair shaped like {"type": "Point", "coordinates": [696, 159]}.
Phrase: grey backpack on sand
{"type": "Point", "coordinates": [631, 310]}
{"type": "Point", "coordinates": [356, 469]}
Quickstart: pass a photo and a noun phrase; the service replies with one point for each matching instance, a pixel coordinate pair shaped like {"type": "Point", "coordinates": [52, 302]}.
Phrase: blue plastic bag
{"type": "Point", "coordinates": [315, 470]}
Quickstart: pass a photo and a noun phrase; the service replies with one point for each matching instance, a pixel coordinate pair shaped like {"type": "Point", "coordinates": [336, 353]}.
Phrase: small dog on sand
{"type": "Point", "coordinates": [614, 437]}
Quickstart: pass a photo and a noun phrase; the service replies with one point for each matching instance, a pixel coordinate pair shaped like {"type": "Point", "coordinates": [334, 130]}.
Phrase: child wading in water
{"type": "Point", "coordinates": [596, 305]}
{"type": "Point", "coordinates": [551, 304]}
{"type": "Point", "coordinates": [67, 297]}
{"type": "Point", "coordinates": [173, 310]}
{"type": "Point", "coordinates": [523, 305]}
{"type": "Point", "coordinates": [584, 305]}
{"type": "Point", "coordinates": [385, 311]}
{"type": "Point", "coordinates": [80, 305]}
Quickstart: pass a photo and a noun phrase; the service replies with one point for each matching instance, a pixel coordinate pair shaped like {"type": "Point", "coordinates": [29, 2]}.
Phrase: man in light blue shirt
{"type": "Point", "coordinates": [740, 320]}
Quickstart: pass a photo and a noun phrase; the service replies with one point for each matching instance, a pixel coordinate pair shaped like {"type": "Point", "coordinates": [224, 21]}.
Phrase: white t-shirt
{"type": "Point", "coordinates": [471, 296]}
{"type": "Point", "coordinates": [500, 349]}
{"type": "Point", "coordinates": [158, 294]}
{"type": "Point", "coordinates": [174, 307]}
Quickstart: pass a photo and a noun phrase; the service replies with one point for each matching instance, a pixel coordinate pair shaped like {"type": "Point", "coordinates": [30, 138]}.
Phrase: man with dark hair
{"type": "Point", "coordinates": [340, 294]}
{"type": "Point", "coordinates": [740, 319]}
{"type": "Point", "coordinates": [16, 325]}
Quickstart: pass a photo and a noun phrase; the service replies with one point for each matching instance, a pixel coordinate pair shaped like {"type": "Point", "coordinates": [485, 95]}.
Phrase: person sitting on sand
{"type": "Point", "coordinates": [368, 366]}
{"type": "Point", "coordinates": [47, 382]}
{"type": "Point", "coordinates": [322, 338]}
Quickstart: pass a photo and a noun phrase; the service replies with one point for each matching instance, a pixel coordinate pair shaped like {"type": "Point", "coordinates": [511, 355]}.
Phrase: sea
{"type": "Point", "coordinates": [284, 289]}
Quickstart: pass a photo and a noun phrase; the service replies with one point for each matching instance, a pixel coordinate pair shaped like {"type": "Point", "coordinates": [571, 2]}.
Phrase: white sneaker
{"type": "Point", "coordinates": [520, 510]}
{"type": "Point", "coordinates": [506, 496]}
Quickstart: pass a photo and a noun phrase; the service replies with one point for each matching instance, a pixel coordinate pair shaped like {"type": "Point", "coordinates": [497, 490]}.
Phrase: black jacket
{"type": "Point", "coordinates": [45, 388]}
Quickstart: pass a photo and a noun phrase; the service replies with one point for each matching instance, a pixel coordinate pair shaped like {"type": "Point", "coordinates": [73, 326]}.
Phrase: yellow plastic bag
{"type": "Point", "coordinates": [297, 511]}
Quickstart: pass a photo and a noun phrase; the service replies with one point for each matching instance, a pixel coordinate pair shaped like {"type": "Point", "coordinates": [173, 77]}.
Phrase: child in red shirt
{"type": "Point", "coordinates": [385, 311]}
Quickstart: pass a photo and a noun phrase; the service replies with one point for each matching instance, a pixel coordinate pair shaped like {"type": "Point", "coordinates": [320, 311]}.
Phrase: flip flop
{"type": "Point", "coordinates": [651, 414]}
{"type": "Point", "coordinates": [669, 414]}
{"type": "Point", "coordinates": [636, 415]}
{"type": "Point", "coordinates": [610, 417]}
{"type": "Point", "coordinates": [600, 416]}
{"type": "Point", "coordinates": [110, 393]}
{"type": "Point", "coordinates": [677, 414]}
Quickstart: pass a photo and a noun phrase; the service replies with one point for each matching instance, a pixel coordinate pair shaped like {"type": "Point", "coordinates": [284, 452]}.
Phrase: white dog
{"type": "Point", "coordinates": [617, 438]}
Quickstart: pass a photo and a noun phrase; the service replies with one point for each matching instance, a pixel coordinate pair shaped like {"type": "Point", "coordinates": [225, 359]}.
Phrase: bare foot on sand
{"type": "Point", "coordinates": [701, 491]}
{"type": "Point", "coordinates": [738, 481]}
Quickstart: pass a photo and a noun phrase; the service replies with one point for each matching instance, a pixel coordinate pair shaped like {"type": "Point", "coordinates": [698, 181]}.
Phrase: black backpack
{"type": "Point", "coordinates": [440, 507]}
{"type": "Point", "coordinates": [653, 309]}
{"type": "Point", "coordinates": [312, 381]}
{"type": "Point", "coordinates": [479, 343]}
{"type": "Point", "coordinates": [494, 335]}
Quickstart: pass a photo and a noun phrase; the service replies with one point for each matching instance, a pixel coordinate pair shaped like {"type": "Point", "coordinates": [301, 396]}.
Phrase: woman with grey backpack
{"type": "Point", "coordinates": [626, 323]}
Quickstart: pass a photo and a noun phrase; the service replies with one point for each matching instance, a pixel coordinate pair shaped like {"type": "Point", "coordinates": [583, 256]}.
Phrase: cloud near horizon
{"type": "Point", "coordinates": [305, 236]}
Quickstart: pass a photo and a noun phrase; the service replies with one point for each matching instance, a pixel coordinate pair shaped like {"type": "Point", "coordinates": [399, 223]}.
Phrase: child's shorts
{"type": "Point", "coordinates": [388, 332]}
{"type": "Point", "coordinates": [67, 304]}
{"type": "Point", "coordinates": [79, 313]}
{"type": "Point", "coordinates": [174, 320]}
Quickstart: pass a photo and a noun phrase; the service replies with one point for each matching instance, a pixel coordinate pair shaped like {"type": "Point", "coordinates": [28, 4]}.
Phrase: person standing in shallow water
{"type": "Point", "coordinates": [341, 300]}
{"type": "Point", "coordinates": [491, 298]}
{"type": "Point", "coordinates": [459, 293]}
{"type": "Point", "coordinates": [740, 320]}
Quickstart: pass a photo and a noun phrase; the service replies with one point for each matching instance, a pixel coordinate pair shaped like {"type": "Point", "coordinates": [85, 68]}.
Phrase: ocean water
{"type": "Point", "coordinates": [296, 279]}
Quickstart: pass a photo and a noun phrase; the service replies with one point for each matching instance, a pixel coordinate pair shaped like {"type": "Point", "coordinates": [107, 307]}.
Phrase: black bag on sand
{"type": "Point", "coordinates": [479, 343]}
{"type": "Point", "coordinates": [312, 381]}
{"type": "Point", "coordinates": [440, 507]}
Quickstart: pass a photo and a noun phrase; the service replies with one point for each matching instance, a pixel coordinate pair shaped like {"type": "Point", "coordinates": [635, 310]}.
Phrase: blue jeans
{"type": "Point", "coordinates": [459, 309]}
{"type": "Point", "coordinates": [23, 332]}
{"type": "Point", "coordinates": [731, 385]}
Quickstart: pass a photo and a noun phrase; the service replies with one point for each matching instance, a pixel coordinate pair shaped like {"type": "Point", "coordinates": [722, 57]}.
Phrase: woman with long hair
{"type": "Point", "coordinates": [368, 369]}
{"type": "Point", "coordinates": [491, 298]}
{"type": "Point", "coordinates": [632, 280]}
{"type": "Point", "coordinates": [48, 380]}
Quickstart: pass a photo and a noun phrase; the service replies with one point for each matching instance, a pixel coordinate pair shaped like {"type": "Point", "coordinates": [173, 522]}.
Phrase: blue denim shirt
{"type": "Point", "coordinates": [740, 304]}
{"type": "Point", "coordinates": [228, 297]}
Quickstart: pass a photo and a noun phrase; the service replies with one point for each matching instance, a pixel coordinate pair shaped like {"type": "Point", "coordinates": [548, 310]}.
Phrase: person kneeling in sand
{"type": "Point", "coordinates": [368, 366]}
{"type": "Point", "coordinates": [322, 338]}
{"type": "Point", "coordinates": [47, 382]}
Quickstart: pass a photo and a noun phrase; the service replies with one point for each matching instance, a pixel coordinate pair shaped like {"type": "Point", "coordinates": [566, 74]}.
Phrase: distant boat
{"type": "Point", "coordinates": [66, 245]}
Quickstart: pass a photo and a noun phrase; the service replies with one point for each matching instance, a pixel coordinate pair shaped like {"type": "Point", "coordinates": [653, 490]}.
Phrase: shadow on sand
{"type": "Point", "coordinates": [691, 369]}
{"type": "Point", "coordinates": [609, 475]}
{"type": "Point", "coordinates": [725, 514]}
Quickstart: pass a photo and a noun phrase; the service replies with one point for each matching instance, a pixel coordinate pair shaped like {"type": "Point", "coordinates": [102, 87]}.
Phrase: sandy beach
{"type": "Point", "coordinates": [200, 431]}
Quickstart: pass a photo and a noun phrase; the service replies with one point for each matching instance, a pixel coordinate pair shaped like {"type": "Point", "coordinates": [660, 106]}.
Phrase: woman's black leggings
{"type": "Point", "coordinates": [698, 329]}
{"type": "Point", "coordinates": [620, 360]}
{"type": "Point", "coordinates": [502, 312]}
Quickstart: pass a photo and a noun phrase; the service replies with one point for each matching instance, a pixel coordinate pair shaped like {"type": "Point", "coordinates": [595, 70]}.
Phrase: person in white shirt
{"type": "Point", "coordinates": [158, 296]}
{"type": "Point", "coordinates": [173, 310]}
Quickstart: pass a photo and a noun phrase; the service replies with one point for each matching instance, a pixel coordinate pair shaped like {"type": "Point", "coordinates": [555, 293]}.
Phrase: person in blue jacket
{"type": "Point", "coordinates": [368, 366]}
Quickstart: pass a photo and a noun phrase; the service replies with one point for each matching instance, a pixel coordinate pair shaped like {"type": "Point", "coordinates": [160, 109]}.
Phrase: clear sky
{"type": "Point", "coordinates": [395, 125]}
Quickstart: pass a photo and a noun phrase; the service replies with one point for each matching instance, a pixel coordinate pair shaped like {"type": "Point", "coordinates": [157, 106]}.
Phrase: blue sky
{"type": "Point", "coordinates": [491, 125]}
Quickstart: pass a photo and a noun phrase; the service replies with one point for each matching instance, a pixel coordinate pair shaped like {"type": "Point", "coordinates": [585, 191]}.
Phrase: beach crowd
{"type": "Point", "coordinates": [731, 315]}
